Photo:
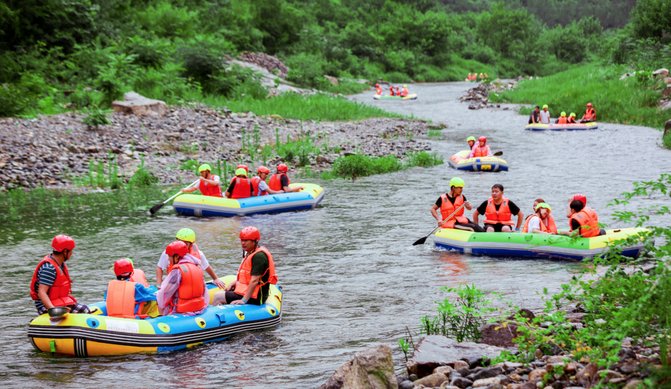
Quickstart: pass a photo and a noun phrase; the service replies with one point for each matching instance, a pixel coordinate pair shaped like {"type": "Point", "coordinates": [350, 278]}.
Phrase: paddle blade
{"type": "Point", "coordinates": [156, 207]}
{"type": "Point", "coordinates": [498, 153]}
{"type": "Point", "coordinates": [420, 241]}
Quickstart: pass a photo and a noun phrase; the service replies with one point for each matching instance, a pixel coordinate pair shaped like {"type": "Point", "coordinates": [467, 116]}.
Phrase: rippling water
{"type": "Point", "coordinates": [350, 273]}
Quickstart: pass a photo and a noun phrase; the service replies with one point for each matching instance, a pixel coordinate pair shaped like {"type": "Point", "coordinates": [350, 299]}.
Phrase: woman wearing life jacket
{"type": "Point", "coordinates": [583, 220]}
{"type": "Point", "coordinates": [450, 202]}
{"type": "Point", "coordinates": [209, 183]}
{"type": "Point", "coordinates": [259, 185]}
{"type": "Point", "coordinates": [256, 273]}
{"type": "Point", "coordinates": [562, 118]}
{"type": "Point", "coordinates": [128, 294]}
{"type": "Point", "coordinates": [481, 149]}
{"type": "Point", "coordinates": [280, 180]}
{"type": "Point", "coordinates": [240, 187]}
{"type": "Point", "coordinates": [51, 285]}
{"type": "Point", "coordinates": [541, 221]}
{"type": "Point", "coordinates": [183, 290]}
{"type": "Point", "coordinates": [471, 141]}
{"type": "Point", "coordinates": [571, 118]}
{"type": "Point", "coordinates": [590, 114]}
{"type": "Point", "coordinates": [188, 236]}
{"type": "Point", "coordinates": [378, 89]}
{"type": "Point", "coordinates": [498, 211]}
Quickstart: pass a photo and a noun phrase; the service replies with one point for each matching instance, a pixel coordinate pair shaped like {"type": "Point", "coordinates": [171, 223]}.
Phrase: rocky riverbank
{"type": "Point", "coordinates": [478, 96]}
{"type": "Point", "coordinates": [50, 151]}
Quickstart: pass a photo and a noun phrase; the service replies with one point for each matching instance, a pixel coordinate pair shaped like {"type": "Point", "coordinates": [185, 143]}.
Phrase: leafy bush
{"type": "Point", "coordinates": [424, 159]}
{"type": "Point", "coordinates": [95, 118]}
{"type": "Point", "coordinates": [13, 100]}
{"type": "Point", "coordinates": [142, 177]}
{"type": "Point", "coordinates": [306, 69]}
{"type": "Point", "coordinates": [168, 21]}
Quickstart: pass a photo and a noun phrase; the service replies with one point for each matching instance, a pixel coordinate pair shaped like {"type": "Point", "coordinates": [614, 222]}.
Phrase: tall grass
{"type": "Point", "coordinates": [294, 106]}
{"type": "Point", "coordinates": [629, 101]}
{"type": "Point", "coordinates": [359, 165]}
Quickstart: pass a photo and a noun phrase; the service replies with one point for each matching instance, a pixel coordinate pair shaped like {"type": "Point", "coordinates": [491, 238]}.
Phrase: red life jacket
{"type": "Point", "coordinates": [446, 209]}
{"type": "Point", "coordinates": [589, 222]}
{"type": "Point", "coordinates": [590, 114]}
{"type": "Point", "coordinates": [191, 288]}
{"type": "Point", "coordinates": [378, 90]}
{"type": "Point", "coordinates": [551, 227]}
{"type": "Point", "coordinates": [570, 120]}
{"type": "Point", "coordinates": [502, 216]}
{"type": "Point", "coordinates": [60, 293]}
{"type": "Point", "coordinates": [480, 151]}
{"type": "Point", "coordinates": [242, 188]}
{"type": "Point", "coordinates": [562, 120]}
{"type": "Point", "coordinates": [276, 181]}
{"type": "Point", "coordinates": [404, 92]}
{"type": "Point", "coordinates": [209, 189]}
{"type": "Point", "coordinates": [245, 273]}
{"type": "Point", "coordinates": [255, 187]}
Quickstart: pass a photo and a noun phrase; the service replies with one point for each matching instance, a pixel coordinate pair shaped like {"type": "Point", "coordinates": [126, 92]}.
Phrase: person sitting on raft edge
{"type": "Point", "coordinates": [450, 205]}
{"type": "Point", "coordinates": [535, 116]}
{"type": "Point", "coordinates": [209, 183]}
{"type": "Point", "coordinates": [583, 220]}
{"type": "Point", "coordinates": [280, 180]}
{"type": "Point", "coordinates": [130, 295]}
{"type": "Point", "coordinates": [541, 222]}
{"type": "Point", "coordinates": [498, 211]}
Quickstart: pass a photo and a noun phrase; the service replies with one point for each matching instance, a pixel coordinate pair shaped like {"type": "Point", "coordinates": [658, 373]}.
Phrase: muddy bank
{"type": "Point", "coordinates": [51, 151]}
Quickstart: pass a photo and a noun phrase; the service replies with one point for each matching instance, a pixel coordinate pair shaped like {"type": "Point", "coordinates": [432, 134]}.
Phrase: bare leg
{"type": "Point", "coordinates": [219, 298]}
{"type": "Point", "coordinates": [506, 229]}
{"type": "Point", "coordinates": [490, 229]}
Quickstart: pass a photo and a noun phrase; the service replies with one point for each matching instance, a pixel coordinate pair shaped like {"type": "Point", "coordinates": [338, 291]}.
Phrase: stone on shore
{"type": "Point", "coordinates": [372, 368]}
{"type": "Point", "coordinates": [136, 104]}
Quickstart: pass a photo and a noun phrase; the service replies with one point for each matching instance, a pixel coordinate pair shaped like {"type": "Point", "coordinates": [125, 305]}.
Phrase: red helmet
{"type": "Point", "coordinates": [123, 266]}
{"type": "Point", "coordinates": [589, 104]}
{"type": "Point", "coordinates": [242, 166]}
{"type": "Point", "coordinates": [177, 247]}
{"type": "Point", "coordinates": [482, 139]}
{"type": "Point", "coordinates": [580, 197]}
{"type": "Point", "coordinates": [250, 233]}
{"type": "Point", "coordinates": [282, 168]}
{"type": "Point", "coordinates": [262, 169]}
{"type": "Point", "coordinates": [62, 242]}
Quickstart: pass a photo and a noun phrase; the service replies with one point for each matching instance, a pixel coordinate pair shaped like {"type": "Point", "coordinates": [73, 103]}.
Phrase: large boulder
{"type": "Point", "coordinates": [661, 73]}
{"type": "Point", "coordinates": [138, 105]}
{"type": "Point", "coordinates": [436, 350]}
{"type": "Point", "coordinates": [369, 369]}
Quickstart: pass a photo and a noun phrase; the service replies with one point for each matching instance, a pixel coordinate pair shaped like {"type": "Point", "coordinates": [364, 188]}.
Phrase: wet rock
{"type": "Point", "coordinates": [372, 368]}
{"type": "Point", "coordinates": [461, 382]}
{"type": "Point", "coordinates": [485, 373]}
{"type": "Point", "coordinates": [491, 381]}
{"type": "Point", "coordinates": [136, 104]}
{"type": "Point", "coordinates": [499, 334]}
{"type": "Point", "coordinates": [406, 384]}
{"type": "Point", "coordinates": [432, 380]}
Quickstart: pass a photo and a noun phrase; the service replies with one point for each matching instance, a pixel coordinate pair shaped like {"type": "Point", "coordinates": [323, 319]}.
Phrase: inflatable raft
{"type": "Point", "coordinates": [199, 205]}
{"type": "Point", "coordinates": [515, 244]}
{"type": "Point", "coordinates": [97, 334]}
{"type": "Point", "coordinates": [411, 96]}
{"type": "Point", "coordinates": [480, 164]}
{"type": "Point", "coordinates": [562, 127]}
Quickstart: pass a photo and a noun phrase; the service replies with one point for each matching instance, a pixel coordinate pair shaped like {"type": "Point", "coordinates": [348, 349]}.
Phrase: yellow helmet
{"type": "Point", "coordinates": [241, 172]}
{"type": "Point", "coordinates": [204, 167]}
{"type": "Point", "coordinates": [563, 114]}
{"type": "Point", "coordinates": [186, 234]}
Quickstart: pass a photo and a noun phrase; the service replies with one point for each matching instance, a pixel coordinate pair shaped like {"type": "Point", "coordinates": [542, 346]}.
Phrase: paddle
{"type": "Point", "coordinates": [422, 240]}
{"type": "Point", "coordinates": [498, 153]}
{"type": "Point", "coordinates": [158, 206]}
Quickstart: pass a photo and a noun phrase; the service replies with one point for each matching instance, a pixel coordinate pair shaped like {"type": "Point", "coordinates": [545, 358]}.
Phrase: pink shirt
{"type": "Point", "coordinates": [170, 285]}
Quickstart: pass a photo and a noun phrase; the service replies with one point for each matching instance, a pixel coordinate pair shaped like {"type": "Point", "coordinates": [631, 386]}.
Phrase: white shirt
{"type": "Point", "coordinates": [163, 261]}
{"type": "Point", "coordinates": [263, 186]}
{"type": "Point", "coordinates": [545, 117]}
{"type": "Point", "coordinates": [534, 223]}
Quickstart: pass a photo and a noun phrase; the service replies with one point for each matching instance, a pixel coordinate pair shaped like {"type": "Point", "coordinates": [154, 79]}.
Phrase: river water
{"type": "Point", "coordinates": [350, 273]}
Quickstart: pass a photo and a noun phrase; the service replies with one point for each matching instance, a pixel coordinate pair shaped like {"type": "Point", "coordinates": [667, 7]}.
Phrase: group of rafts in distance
{"type": "Point", "coordinates": [541, 120]}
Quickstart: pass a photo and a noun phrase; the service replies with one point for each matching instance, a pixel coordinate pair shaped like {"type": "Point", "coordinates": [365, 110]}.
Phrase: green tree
{"type": "Point", "coordinates": [652, 19]}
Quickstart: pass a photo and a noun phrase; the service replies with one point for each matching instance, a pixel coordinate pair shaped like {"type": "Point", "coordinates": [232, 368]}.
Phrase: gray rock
{"type": "Point", "coordinates": [372, 368]}
{"type": "Point", "coordinates": [432, 380]}
{"type": "Point", "coordinates": [136, 104]}
{"type": "Point", "coordinates": [486, 373]}
{"type": "Point", "coordinates": [461, 382]}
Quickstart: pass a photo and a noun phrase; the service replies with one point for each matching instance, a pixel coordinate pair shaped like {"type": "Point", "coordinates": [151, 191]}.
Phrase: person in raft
{"type": "Point", "coordinates": [583, 220]}
{"type": "Point", "coordinates": [571, 118]}
{"type": "Point", "coordinates": [404, 91]}
{"type": "Point", "coordinates": [209, 183]}
{"type": "Point", "coordinates": [450, 204]}
{"type": "Point", "coordinates": [590, 114]}
{"type": "Point", "coordinates": [498, 211]}
{"type": "Point", "coordinates": [535, 116]}
{"type": "Point", "coordinates": [280, 180]}
{"type": "Point", "coordinates": [183, 290]}
{"type": "Point", "coordinates": [541, 222]}
{"type": "Point", "coordinates": [130, 294]}
{"type": "Point", "coordinates": [378, 89]}
{"type": "Point", "coordinates": [545, 115]}
{"type": "Point", "coordinates": [240, 186]}
{"type": "Point", "coordinates": [481, 149]}
{"type": "Point", "coordinates": [471, 141]}
{"type": "Point", "coordinates": [51, 285]}
{"type": "Point", "coordinates": [256, 273]}
{"type": "Point", "coordinates": [188, 236]}
{"type": "Point", "coordinates": [562, 119]}
{"type": "Point", "coordinates": [259, 185]}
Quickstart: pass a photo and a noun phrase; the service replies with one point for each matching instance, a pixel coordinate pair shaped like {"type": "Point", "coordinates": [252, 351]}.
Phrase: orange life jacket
{"type": "Point", "coordinates": [590, 114]}
{"type": "Point", "coordinates": [404, 92]}
{"type": "Point", "coordinates": [551, 227]}
{"type": "Point", "coordinates": [446, 209]}
{"type": "Point", "coordinates": [480, 151]}
{"type": "Point", "coordinates": [139, 277]}
{"type": "Point", "coordinates": [120, 301]}
{"type": "Point", "coordinates": [589, 222]}
{"type": "Point", "coordinates": [245, 273]}
{"type": "Point", "coordinates": [60, 293]}
{"type": "Point", "coordinates": [255, 187]}
{"type": "Point", "coordinates": [209, 189]}
{"type": "Point", "coordinates": [562, 120]}
{"type": "Point", "coordinates": [191, 288]}
{"type": "Point", "coordinates": [276, 182]}
{"type": "Point", "coordinates": [502, 216]}
{"type": "Point", "coordinates": [378, 90]}
{"type": "Point", "coordinates": [570, 120]}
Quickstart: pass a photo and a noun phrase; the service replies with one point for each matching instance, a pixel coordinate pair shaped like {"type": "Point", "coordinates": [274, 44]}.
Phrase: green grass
{"type": "Point", "coordinates": [359, 165]}
{"type": "Point", "coordinates": [630, 101]}
{"type": "Point", "coordinates": [320, 107]}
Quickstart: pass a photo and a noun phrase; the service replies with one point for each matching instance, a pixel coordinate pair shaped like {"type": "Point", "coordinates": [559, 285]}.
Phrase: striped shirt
{"type": "Point", "coordinates": [46, 275]}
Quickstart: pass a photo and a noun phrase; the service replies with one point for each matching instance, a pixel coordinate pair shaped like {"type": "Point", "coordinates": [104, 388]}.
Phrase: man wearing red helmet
{"type": "Point", "coordinates": [130, 294]}
{"type": "Point", "coordinates": [259, 185]}
{"type": "Point", "coordinates": [183, 290]}
{"type": "Point", "coordinates": [256, 273]}
{"type": "Point", "coordinates": [481, 149]}
{"type": "Point", "coordinates": [280, 181]}
{"type": "Point", "coordinates": [590, 114]}
{"type": "Point", "coordinates": [51, 285]}
{"type": "Point", "coordinates": [583, 221]}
